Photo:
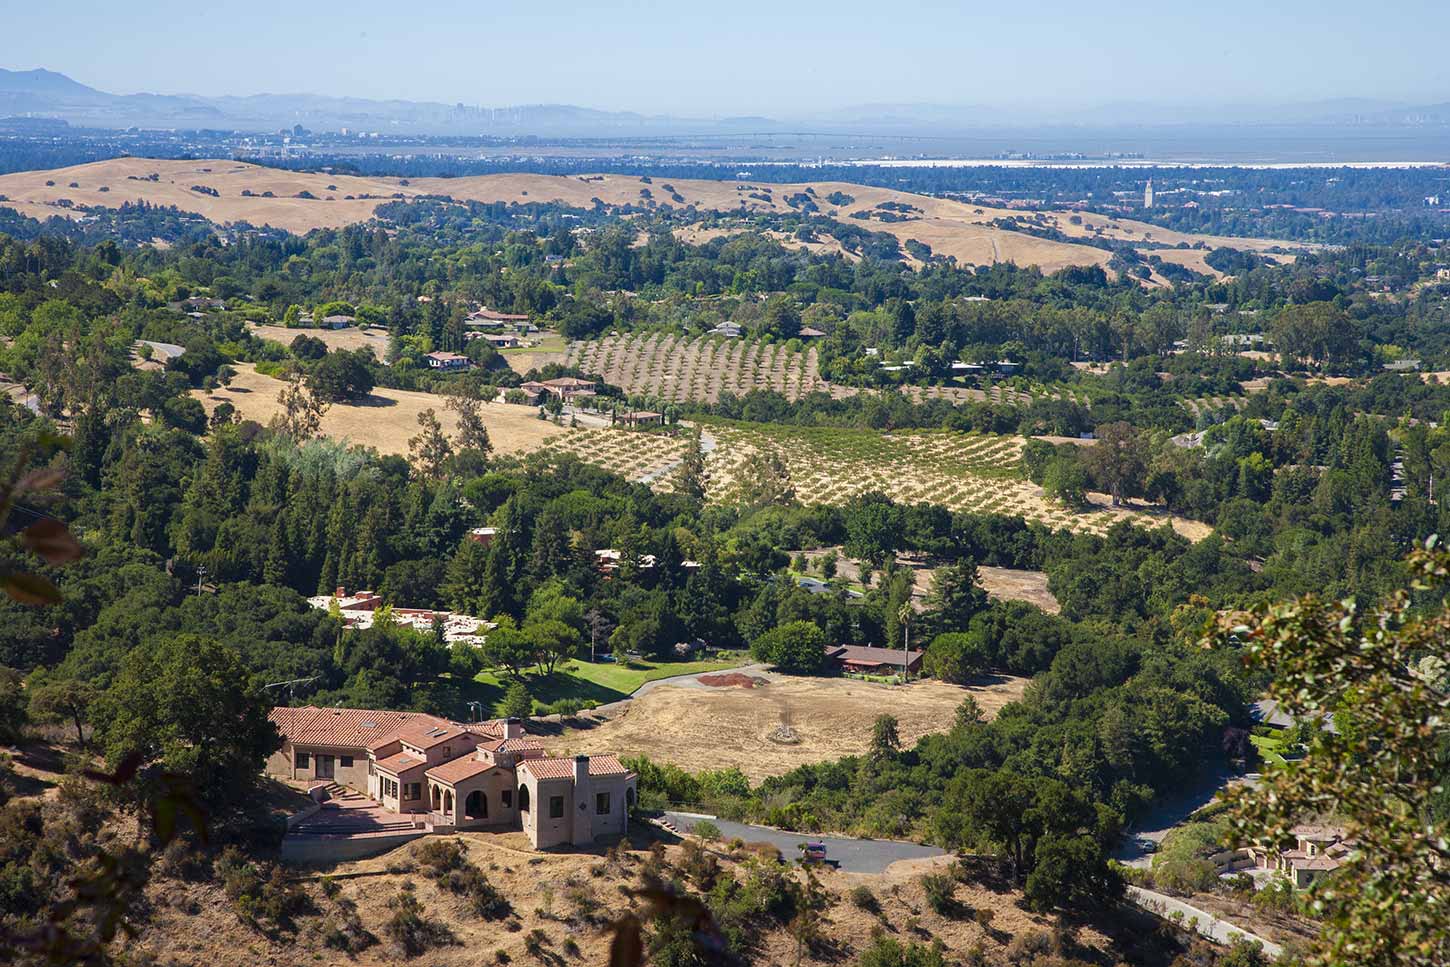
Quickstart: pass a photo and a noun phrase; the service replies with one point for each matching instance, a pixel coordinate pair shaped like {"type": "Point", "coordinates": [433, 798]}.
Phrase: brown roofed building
{"type": "Point", "coordinates": [870, 660]}
{"type": "Point", "coordinates": [454, 775]}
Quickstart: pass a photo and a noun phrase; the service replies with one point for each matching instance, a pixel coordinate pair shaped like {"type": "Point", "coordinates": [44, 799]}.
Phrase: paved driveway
{"type": "Point", "coordinates": [851, 855]}
{"type": "Point", "coordinates": [1208, 925]}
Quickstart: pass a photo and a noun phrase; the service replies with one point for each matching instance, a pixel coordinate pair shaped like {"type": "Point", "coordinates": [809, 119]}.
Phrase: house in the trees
{"type": "Point", "coordinates": [1318, 851]}
{"type": "Point", "coordinates": [452, 776]}
{"type": "Point", "coordinates": [870, 660]}
{"type": "Point", "coordinates": [448, 361]}
{"type": "Point", "coordinates": [569, 387]}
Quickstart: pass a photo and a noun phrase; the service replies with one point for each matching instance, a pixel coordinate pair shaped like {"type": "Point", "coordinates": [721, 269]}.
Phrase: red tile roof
{"type": "Point", "coordinates": [464, 767]}
{"type": "Point", "coordinates": [516, 744]}
{"type": "Point", "coordinates": [346, 728]}
{"type": "Point", "coordinates": [562, 767]}
{"type": "Point", "coordinates": [400, 763]}
{"type": "Point", "coordinates": [427, 735]}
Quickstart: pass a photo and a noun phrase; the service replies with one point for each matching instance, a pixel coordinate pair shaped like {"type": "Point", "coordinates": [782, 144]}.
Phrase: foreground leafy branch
{"type": "Point", "coordinates": [1378, 672]}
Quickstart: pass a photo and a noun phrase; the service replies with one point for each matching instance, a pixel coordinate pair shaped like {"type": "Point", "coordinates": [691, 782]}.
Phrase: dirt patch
{"type": "Point", "coordinates": [1010, 584]}
{"type": "Point", "coordinates": [721, 728]}
{"type": "Point", "coordinates": [387, 419]}
{"type": "Point", "coordinates": [730, 680]}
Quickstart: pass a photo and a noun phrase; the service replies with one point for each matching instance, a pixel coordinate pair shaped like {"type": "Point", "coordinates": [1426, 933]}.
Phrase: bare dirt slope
{"type": "Point", "coordinates": [564, 903]}
{"type": "Point", "coordinates": [718, 728]}
{"type": "Point", "coordinates": [963, 230]}
{"type": "Point", "coordinates": [388, 419]}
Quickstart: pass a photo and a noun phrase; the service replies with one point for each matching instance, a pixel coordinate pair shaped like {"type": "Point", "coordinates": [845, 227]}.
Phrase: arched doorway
{"type": "Point", "coordinates": [437, 800]}
{"type": "Point", "coordinates": [476, 805]}
{"type": "Point", "coordinates": [523, 799]}
{"type": "Point", "coordinates": [447, 801]}
{"type": "Point", "coordinates": [629, 798]}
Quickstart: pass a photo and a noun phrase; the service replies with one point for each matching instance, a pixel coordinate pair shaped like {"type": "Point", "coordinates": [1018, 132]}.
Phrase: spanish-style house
{"type": "Point", "coordinates": [1318, 851]}
{"type": "Point", "coordinates": [452, 775]}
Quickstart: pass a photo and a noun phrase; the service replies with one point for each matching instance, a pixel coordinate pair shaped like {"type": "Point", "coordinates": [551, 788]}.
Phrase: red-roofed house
{"type": "Point", "coordinates": [457, 776]}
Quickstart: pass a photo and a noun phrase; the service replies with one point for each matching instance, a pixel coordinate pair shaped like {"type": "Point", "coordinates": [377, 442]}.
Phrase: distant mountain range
{"type": "Point", "coordinates": [45, 94]}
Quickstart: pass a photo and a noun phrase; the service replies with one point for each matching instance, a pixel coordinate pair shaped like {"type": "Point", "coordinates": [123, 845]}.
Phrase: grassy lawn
{"type": "Point", "coordinates": [550, 343]}
{"type": "Point", "coordinates": [597, 682]}
{"type": "Point", "coordinates": [1270, 748]}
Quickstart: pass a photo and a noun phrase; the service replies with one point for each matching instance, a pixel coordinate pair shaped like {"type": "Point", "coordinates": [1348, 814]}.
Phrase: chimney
{"type": "Point", "coordinates": [341, 592]}
{"type": "Point", "coordinates": [581, 771]}
{"type": "Point", "coordinates": [512, 728]}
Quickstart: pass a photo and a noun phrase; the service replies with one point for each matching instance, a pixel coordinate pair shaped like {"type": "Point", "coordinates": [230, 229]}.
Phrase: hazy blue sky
{"type": "Point", "coordinates": [745, 56]}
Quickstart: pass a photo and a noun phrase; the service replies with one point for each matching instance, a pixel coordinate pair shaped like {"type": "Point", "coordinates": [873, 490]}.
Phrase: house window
{"type": "Point", "coordinates": [601, 803]}
{"type": "Point", "coordinates": [345, 761]}
{"type": "Point", "coordinates": [447, 752]}
{"type": "Point", "coordinates": [304, 760]}
{"type": "Point", "coordinates": [556, 807]}
{"type": "Point", "coordinates": [507, 798]}
{"type": "Point", "coordinates": [413, 790]}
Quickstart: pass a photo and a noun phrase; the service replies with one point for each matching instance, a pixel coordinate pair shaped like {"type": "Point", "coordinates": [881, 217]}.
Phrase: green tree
{"type": "Point", "coordinates": [185, 705]}
{"type": "Point", "coordinates": [692, 477]}
{"type": "Point", "coordinates": [956, 657]}
{"type": "Point", "coordinates": [63, 700]}
{"type": "Point", "coordinates": [1118, 461]}
{"type": "Point", "coordinates": [517, 703]}
{"type": "Point", "coordinates": [885, 737]}
{"type": "Point", "coordinates": [430, 449]}
{"type": "Point", "coordinates": [796, 647]}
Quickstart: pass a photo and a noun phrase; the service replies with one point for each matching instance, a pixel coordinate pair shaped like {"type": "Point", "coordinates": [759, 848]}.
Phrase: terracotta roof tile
{"type": "Point", "coordinates": [354, 728]}
{"type": "Point", "coordinates": [400, 763]}
{"type": "Point", "coordinates": [523, 743]}
{"type": "Point", "coordinates": [427, 735]}
{"type": "Point", "coordinates": [464, 767]}
{"type": "Point", "coordinates": [562, 767]}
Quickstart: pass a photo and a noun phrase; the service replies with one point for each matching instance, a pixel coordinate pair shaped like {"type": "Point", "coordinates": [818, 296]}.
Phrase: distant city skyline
{"type": "Point", "coordinates": [750, 57]}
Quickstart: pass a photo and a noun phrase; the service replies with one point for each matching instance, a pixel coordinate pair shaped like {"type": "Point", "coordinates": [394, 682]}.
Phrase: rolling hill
{"type": "Point", "coordinates": [226, 191]}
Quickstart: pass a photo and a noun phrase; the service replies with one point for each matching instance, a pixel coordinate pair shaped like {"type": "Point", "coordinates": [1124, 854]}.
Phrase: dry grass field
{"type": "Point", "coordinates": [950, 227]}
{"type": "Point", "coordinates": [1009, 584]}
{"type": "Point", "coordinates": [719, 728]}
{"type": "Point", "coordinates": [345, 339]}
{"type": "Point", "coordinates": [388, 419]}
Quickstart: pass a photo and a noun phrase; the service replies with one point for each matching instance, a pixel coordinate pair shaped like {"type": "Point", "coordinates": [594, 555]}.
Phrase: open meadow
{"type": "Point", "coordinates": [700, 727]}
{"type": "Point", "coordinates": [387, 419]}
{"type": "Point", "coordinates": [347, 339]}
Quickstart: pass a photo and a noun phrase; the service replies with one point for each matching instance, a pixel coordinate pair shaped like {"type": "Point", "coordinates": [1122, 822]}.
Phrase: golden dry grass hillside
{"type": "Point", "coordinates": [387, 419]}
{"type": "Point", "coordinates": [730, 726]}
{"type": "Point", "coordinates": [959, 229]}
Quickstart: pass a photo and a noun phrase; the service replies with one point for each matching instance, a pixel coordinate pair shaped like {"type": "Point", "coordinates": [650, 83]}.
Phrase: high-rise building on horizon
{"type": "Point", "coordinates": [1148, 194]}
